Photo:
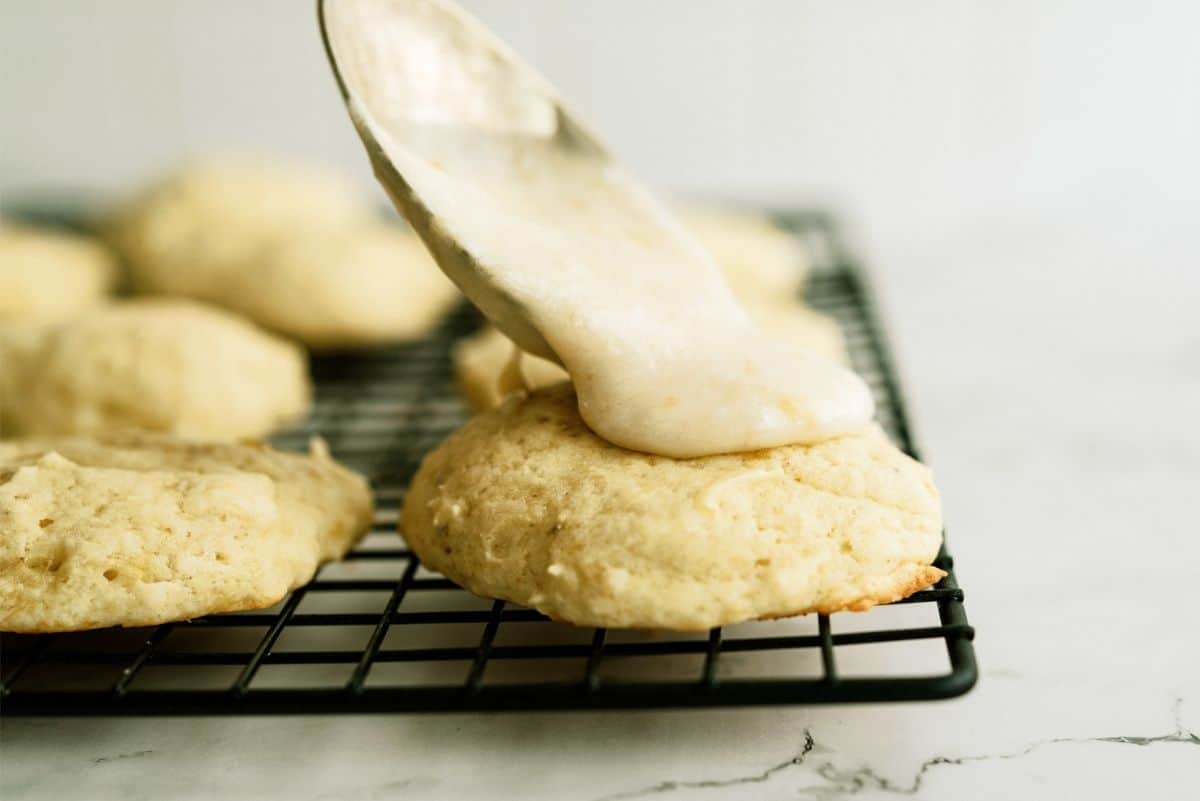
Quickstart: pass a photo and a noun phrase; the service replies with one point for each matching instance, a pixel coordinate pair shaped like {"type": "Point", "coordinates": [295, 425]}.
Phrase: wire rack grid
{"type": "Point", "coordinates": [378, 633]}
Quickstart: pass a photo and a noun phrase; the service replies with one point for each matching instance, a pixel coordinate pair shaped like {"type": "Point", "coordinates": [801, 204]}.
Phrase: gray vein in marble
{"type": "Point", "coordinates": [377, 792]}
{"type": "Point", "coordinates": [841, 783]}
{"type": "Point", "coordinates": [713, 784]}
{"type": "Point", "coordinates": [116, 757]}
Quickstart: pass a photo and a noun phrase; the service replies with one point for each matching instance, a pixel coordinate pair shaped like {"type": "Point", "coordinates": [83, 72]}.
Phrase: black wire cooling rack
{"type": "Point", "coordinates": [379, 633]}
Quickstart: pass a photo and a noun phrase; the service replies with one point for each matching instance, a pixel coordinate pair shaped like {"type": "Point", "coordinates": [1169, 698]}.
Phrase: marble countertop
{"type": "Point", "coordinates": [1054, 371]}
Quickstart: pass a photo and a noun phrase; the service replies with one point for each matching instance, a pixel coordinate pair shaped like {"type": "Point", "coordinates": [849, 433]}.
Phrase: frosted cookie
{"type": "Point", "coordinates": [360, 285]}
{"type": "Point", "coordinates": [196, 228]}
{"type": "Point", "coordinates": [141, 530]}
{"type": "Point", "coordinates": [50, 275]}
{"type": "Point", "coordinates": [525, 503]}
{"type": "Point", "coordinates": [160, 365]}
{"type": "Point", "coordinates": [480, 359]}
{"type": "Point", "coordinates": [761, 261]}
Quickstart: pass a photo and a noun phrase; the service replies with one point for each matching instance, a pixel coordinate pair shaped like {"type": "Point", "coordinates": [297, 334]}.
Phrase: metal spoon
{"type": "Point", "coordinates": [430, 89]}
{"type": "Point", "coordinates": [564, 250]}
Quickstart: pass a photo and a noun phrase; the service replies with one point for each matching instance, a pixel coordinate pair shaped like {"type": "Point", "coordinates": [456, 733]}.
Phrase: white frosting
{"type": "Point", "coordinates": [663, 357]}
{"type": "Point", "coordinates": [567, 253]}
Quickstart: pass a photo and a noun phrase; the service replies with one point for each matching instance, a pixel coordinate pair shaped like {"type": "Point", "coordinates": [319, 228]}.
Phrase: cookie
{"type": "Point", "coordinates": [161, 365]}
{"type": "Point", "coordinates": [480, 359]}
{"type": "Point", "coordinates": [17, 342]}
{"type": "Point", "coordinates": [525, 503]}
{"type": "Point", "coordinates": [800, 325]}
{"type": "Point", "coordinates": [136, 530]}
{"type": "Point", "coordinates": [761, 261]}
{"type": "Point", "coordinates": [479, 364]}
{"type": "Point", "coordinates": [357, 286]}
{"type": "Point", "coordinates": [50, 275]}
{"type": "Point", "coordinates": [293, 248]}
{"type": "Point", "coordinates": [195, 229]}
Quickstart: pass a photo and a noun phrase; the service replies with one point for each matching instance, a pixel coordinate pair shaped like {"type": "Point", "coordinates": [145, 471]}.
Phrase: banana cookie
{"type": "Point", "coordinates": [196, 228]}
{"type": "Point", "coordinates": [525, 503]}
{"type": "Point", "coordinates": [761, 261]}
{"type": "Point", "coordinates": [50, 275]}
{"type": "Point", "coordinates": [363, 285]}
{"type": "Point", "coordinates": [136, 530]}
{"type": "Point", "coordinates": [291, 246]}
{"type": "Point", "coordinates": [153, 364]}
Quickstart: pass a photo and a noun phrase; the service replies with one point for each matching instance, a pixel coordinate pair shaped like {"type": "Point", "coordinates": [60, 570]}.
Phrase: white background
{"type": "Point", "coordinates": [1024, 178]}
{"type": "Point", "coordinates": [911, 116]}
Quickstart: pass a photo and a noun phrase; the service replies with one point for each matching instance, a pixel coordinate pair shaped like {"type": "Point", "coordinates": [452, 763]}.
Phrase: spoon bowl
{"type": "Point", "coordinates": [565, 251]}
{"type": "Point", "coordinates": [431, 89]}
